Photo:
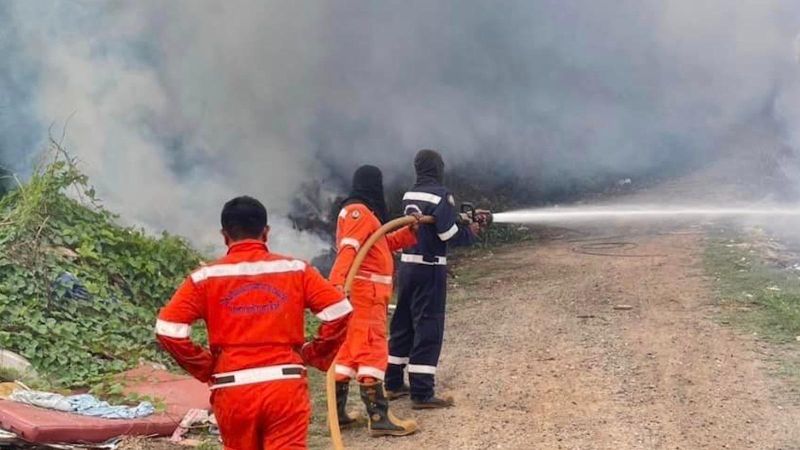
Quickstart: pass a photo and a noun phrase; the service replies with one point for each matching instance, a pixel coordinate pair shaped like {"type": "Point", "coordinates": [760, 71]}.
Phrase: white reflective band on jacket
{"type": "Point", "coordinates": [173, 329]}
{"type": "Point", "coordinates": [418, 368]}
{"type": "Point", "coordinates": [351, 242]}
{"type": "Point", "coordinates": [449, 233]}
{"type": "Point", "coordinates": [419, 259]}
{"type": "Point", "coordinates": [375, 278]}
{"type": "Point", "coordinates": [335, 311]}
{"type": "Point", "coordinates": [423, 197]}
{"type": "Point", "coordinates": [248, 269]}
{"type": "Point", "coordinates": [257, 375]}
{"type": "Point", "coordinates": [397, 360]}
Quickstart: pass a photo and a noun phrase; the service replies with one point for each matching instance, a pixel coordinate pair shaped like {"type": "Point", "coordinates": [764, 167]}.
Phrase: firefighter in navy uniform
{"type": "Point", "coordinates": [417, 327]}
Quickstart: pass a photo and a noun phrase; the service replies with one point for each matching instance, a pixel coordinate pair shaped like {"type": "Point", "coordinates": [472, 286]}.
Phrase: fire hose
{"type": "Point", "coordinates": [330, 378]}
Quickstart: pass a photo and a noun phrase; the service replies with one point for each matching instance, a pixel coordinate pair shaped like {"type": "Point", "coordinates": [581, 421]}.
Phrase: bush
{"type": "Point", "coordinates": [100, 321]}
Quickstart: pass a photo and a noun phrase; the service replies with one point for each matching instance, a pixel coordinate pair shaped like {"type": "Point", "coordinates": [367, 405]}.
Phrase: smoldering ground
{"type": "Point", "coordinates": [177, 106]}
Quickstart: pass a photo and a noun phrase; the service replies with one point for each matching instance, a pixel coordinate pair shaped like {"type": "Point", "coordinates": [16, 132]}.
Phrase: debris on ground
{"type": "Point", "coordinates": [12, 362]}
{"type": "Point", "coordinates": [79, 291]}
{"type": "Point", "coordinates": [78, 297]}
{"type": "Point", "coordinates": [177, 394]}
{"type": "Point", "coordinates": [195, 421]}
{"type": "Point", "coordinates": [83, 404]}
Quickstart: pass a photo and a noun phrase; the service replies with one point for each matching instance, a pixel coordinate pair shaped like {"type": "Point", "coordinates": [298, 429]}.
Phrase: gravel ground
{"type": "Point", "coordinates": [548, 348]}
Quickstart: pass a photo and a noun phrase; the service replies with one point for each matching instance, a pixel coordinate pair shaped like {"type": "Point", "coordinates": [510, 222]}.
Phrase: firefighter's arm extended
{"type": "Point", "coordinates": [174, 328]}
{"type": "Point", "coordinates": [448, 227]}
{"type": "Point", "coordinates": [402, 238]}
{"type": "Point", "coordinates": [330, 307]}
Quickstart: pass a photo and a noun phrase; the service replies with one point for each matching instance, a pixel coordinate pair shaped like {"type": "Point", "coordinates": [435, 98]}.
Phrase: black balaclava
{"type": "Point", "coordinates": [429, 166]}
{"type": "Point", "coordinates": [368, 189]}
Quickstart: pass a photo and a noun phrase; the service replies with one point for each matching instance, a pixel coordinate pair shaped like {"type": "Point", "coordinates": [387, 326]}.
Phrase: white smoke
{"type": "Point", "coordinates": [180, 105]}
{"type": "Point", "coordinates": [210, 97]}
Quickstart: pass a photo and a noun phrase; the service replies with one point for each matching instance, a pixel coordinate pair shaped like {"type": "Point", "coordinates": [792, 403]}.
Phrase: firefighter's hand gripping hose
{"type": "Point", "coordinates": [330, 378]}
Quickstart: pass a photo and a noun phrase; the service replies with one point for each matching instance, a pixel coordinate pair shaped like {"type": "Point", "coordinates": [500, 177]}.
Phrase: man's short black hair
{"type": "Point", "coordinates": [244, 218]}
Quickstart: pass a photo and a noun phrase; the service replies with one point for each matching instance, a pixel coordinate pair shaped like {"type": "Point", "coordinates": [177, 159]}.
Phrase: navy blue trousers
{"type": "Point", "coordinates": [417, 328]}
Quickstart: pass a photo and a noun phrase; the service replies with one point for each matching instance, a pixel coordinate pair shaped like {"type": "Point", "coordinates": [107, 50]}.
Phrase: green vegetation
{"type": "Point", "coordinates": [503, 234]}
{"type": "Point", "coordinates": [79, 329]}
{"type": "Point", "coordinates": [755, 295]}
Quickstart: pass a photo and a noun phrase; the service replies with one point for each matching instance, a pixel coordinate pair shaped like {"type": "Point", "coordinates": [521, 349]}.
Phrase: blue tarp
{"type": "Point", "coordinates": [83, 404]}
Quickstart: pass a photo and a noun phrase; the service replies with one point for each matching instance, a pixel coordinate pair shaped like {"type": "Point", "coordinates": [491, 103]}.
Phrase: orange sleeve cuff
{"type": "Point", "coordinates": [400, 239]}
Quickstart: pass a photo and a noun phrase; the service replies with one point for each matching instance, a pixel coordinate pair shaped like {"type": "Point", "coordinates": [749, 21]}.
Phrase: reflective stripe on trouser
{"type": "Point", "coordinates": [365, 350]}
{"type": "Point", "coordinates": [263, 415]}
{"type": "Point", "coordinates": [417, 328]}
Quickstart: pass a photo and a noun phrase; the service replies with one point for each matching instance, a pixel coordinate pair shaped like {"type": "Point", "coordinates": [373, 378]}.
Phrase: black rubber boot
{"type": "Point", "coordinates": [342, 390]}
{"type": "Point", "coordinates": [381, 421]}
{"type": "Point", "coordinates": [432, 402]}
{"type": "Point", "coordinates": [403, 391]}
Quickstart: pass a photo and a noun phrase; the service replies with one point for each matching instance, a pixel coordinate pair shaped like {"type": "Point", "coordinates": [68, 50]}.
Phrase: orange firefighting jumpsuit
{"type": "Point", "coordinates": [365, 351]}
{"type": "Point", "coordinates": [253, 302]}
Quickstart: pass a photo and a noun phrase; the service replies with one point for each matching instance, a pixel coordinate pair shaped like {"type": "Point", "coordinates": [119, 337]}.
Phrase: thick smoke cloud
{"type": "Point", "coordinates": [179, 105]}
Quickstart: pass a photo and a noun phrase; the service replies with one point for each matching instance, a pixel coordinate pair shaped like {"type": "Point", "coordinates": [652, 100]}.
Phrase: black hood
{"type": "Point", "coordinates": [368, 189]}
{"type": "Point", "coordinates": [429, 167]}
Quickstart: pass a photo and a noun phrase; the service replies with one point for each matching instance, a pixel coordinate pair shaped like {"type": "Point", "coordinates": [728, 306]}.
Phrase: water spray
{"type": "Point", "coordinates": [594, 214]}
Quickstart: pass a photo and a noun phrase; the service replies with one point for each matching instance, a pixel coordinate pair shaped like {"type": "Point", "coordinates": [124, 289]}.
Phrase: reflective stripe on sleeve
{"type": "Point", "coordinates": [248, 268]}
{"type": "Point", "coordinates": [351, 242]}
{"type": "Point", "coordinates": [173, 329]}
{"type": "Point", "coordinates": [449, 233]}
{"type": "Point", "coordinates": [374, 372]}
{"type": "Point", "coordinates": [423, 197]}
{"type": "Point", "coordinates": [335, 311]}
{"type": "Point", "coordinates": [397, 360]}
{"type": "Point", "coordinates": [417, 368]}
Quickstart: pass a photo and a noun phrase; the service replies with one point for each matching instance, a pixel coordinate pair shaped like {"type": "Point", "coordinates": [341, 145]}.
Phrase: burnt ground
{"type": "Point", "coordinates": [540, 353]}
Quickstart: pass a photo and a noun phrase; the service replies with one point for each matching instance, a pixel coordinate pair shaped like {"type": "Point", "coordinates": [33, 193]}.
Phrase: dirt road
{"type": "Point", "coordinates": [537, 356]}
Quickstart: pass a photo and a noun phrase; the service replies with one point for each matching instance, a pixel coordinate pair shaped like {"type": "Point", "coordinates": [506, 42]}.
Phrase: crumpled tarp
{"type": "Point", "coordinates": [68, 287]}
{"type": "Point", "coordinates": [83, 404]}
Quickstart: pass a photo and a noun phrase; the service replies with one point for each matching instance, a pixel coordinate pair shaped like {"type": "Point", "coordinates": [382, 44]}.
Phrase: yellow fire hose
{"type": "Point", "coordinates": [330, 378]}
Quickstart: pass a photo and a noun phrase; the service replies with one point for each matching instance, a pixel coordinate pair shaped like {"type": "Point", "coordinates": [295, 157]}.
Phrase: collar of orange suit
{"type": "Point", "coordinates": [247, 245]}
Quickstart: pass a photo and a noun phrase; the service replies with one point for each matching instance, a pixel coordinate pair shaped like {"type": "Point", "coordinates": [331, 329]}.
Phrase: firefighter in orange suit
{"type": "Point", "coordinates": [365, 352]}
{"type": "Point", "coordinates": [252, 302]}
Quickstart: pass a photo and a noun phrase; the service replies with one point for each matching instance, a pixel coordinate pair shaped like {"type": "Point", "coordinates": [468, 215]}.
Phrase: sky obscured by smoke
{"type": "Point", "coordinates": [177, 106]}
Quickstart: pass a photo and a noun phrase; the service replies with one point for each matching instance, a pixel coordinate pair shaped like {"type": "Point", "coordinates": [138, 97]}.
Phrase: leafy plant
{"type": "Point", "coordinates": [56, 242]}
